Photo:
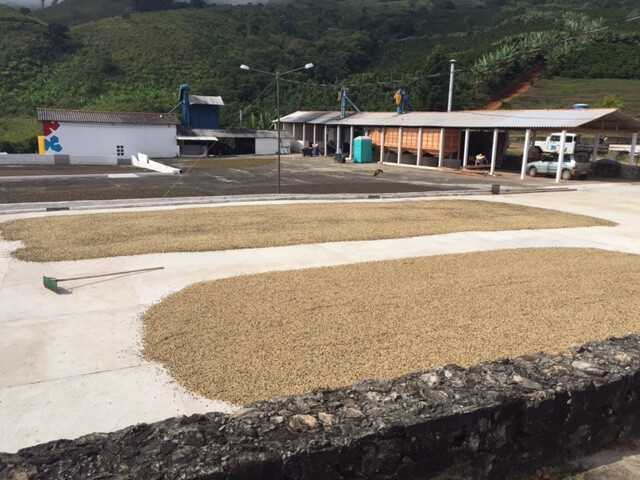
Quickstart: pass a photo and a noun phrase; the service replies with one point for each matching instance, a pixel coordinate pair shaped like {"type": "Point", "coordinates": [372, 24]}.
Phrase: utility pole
{"type": "Point", "coordinates": [451, 75]}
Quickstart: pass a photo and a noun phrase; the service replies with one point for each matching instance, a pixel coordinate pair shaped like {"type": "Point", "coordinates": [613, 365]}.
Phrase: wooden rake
{"type": "Point", "coordinates": [52, 283]}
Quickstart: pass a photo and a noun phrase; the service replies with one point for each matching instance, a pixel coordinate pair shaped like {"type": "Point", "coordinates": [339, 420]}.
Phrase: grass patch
{"type": "Point", "coordinates": [18, 129]}
{"type": "Point", "coordinates": [207, 229]}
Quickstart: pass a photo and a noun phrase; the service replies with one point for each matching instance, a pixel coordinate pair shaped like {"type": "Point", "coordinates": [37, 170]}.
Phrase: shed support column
{"type": "Point", "coordinates": [632, 152]}
{"type": "Point", "coordinates": [351, 143]}
{"type": "Point", "coordinates": [563, 140]}
{"type": "Point", "coordinates": [381, 146]}
{"type": "Point", "coordinates": [326, 140]}
{"type": "Point", "coordinates": [304, 135]}
{"type": "Point", "coordinates": [465, 155]}
{"type": "Point", "coordinates": [494, 151]}
{"type": "Point", "coordinates": [399, 145]}
{"type": "Point", "coordinates": [315, 140]}
{"type": "Point", "coordinates": [338, 140]}
{"type": "Point", "coordinates": [293, 131]}
{"type": "Point", "coordinates": [525, 153]}
{"type": "Point", "coordinates": [419, 159]}
{"type": "Point", "coordinates": [441, 153]}
{"type": "Point", "coordinates": [596, 142]}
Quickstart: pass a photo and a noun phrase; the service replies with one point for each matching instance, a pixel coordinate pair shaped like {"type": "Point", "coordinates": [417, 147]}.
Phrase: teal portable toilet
{"type": "Point", "coordinates": [362, 150]}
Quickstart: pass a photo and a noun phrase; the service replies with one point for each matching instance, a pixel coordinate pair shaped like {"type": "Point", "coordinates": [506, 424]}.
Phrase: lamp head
{"type": "Point", "coordinates": [244, 67]}
{"type": "Point", "coordinates": [308, 66]}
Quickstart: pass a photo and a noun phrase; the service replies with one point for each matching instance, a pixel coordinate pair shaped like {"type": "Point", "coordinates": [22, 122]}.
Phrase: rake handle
{"type": "Point", "coordinates": [107, 274]}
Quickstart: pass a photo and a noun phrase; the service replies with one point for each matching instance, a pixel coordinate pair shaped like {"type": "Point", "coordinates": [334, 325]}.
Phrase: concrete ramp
{"type": "Point", "coordinates": [143, 161]}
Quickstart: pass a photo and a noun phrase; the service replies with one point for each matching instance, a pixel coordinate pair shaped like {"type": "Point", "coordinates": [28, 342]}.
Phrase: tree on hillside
{"type": "Point", "coordinates": [150, 5]}
{"type": "Point", "coordinates": [432, 90]}
{"type": "Point", "coordinates": [611, 101]}
{"type": "Point", "coordinates": [57, 36]}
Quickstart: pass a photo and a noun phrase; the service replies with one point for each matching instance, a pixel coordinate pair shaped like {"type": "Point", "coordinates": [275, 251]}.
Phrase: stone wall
{"type": "Point", "coordinates": [631, 172]}
{"type": "Point", "coordinates": [495, 420]}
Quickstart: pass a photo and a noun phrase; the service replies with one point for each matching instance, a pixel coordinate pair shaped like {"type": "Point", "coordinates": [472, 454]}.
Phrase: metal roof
{"type": "Point", "coordinates": [317, 118]}
{"type": "Point", "coordinates": [201, 138]}
{"type": "Point", "coordinates": [204, 100]}
{"type": "Point", "coordinates": [118, 118]}
{"type": "Point", "coordinates": [589, 119]}
{"type": "Point", "coordinates": [207, 134]}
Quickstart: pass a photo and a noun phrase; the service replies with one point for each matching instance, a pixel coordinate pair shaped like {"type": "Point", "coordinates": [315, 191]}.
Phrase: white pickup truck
{"type": "Point", "coordinates": [624, 148]}
{"type": "Point", "coordinates": [572, 144]}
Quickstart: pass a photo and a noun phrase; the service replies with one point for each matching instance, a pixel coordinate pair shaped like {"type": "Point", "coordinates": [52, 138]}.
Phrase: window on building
{"type": "Point", "coordinates": [120, 150]}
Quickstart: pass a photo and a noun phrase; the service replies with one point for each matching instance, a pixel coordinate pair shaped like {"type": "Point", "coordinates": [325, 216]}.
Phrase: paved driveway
{"type": "Point", "coordinates": [299, 175]}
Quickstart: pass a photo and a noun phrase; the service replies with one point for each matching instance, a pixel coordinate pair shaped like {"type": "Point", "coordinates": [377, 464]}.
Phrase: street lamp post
{"type": "Point", "coordinates": [451, 75]}
{"type": "Point", "coordinates": [277, 75]}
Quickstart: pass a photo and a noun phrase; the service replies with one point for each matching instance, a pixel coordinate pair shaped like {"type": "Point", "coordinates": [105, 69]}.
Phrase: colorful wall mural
{"type": "Point", "coordinates": [49, 142]}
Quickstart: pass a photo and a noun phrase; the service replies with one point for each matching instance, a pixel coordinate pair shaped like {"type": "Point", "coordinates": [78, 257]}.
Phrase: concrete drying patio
{"type": "Point", "coordinates": [71, 363]}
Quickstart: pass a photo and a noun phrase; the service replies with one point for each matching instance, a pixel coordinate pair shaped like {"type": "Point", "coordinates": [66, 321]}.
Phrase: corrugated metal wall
{"type": "Point", "coordinates": [430, 140]}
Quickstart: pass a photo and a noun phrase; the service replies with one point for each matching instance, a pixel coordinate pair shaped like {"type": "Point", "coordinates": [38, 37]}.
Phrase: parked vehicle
{"type": "Point", "coordinates": [572, 144]}
{"type": "Point", "coordinates": [574, 165]}
{"type": "Point", "coordinates": [607, 167]}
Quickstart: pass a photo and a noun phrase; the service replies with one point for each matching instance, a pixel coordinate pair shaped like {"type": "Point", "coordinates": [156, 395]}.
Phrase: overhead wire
{"type": "Point", "coordinates": [543, 47]}
{"type": "Point", "coordinates": [206, 153]}
{"type": "Point", "coordinates": [411, 79]}
{"type": "Point", "coordinates": [461, 70]}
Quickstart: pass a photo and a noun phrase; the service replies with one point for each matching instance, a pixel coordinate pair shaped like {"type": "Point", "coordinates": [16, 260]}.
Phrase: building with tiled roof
{"type": "Point", "coordinates": [118, 134]}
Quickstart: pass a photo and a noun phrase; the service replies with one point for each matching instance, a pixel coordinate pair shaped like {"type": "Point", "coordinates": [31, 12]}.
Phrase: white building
{"type": "Point", "coordinates": [117, 134]}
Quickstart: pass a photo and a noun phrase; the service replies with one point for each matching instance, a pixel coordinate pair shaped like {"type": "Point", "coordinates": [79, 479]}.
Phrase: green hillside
{"type": "Point", "coordinates": [558, 92]}
{"type": "Point", "coordinates": [136, 61]}
{"type": "Point", "coordinates": [74, 12]}
{"type": "Point", "coordinates": [20, 36]}
{"type": "Point", "coordinates": [22, 39]}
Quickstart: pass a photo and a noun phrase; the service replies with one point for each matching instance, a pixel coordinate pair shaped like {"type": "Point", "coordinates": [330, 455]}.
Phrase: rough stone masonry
{"type": "Point", "coordinates": [496, 420]}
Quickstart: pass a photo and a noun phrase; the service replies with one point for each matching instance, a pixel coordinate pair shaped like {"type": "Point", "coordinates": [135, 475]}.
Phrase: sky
{"type": "Point", "coordinates": [36, 3]}
{"type": "Point", "coordinates": [23, 3]}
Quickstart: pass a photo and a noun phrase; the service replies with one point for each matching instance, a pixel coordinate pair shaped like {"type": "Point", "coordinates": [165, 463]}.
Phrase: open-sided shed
{"type": "Point", "coordinates": [456, 134]}
{"type": "Point", "coordinates": [197, 142]}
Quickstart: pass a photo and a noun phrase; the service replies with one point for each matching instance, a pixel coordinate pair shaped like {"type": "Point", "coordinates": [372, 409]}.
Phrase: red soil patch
{"type": "Point", "coordinates": [515, 89]}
